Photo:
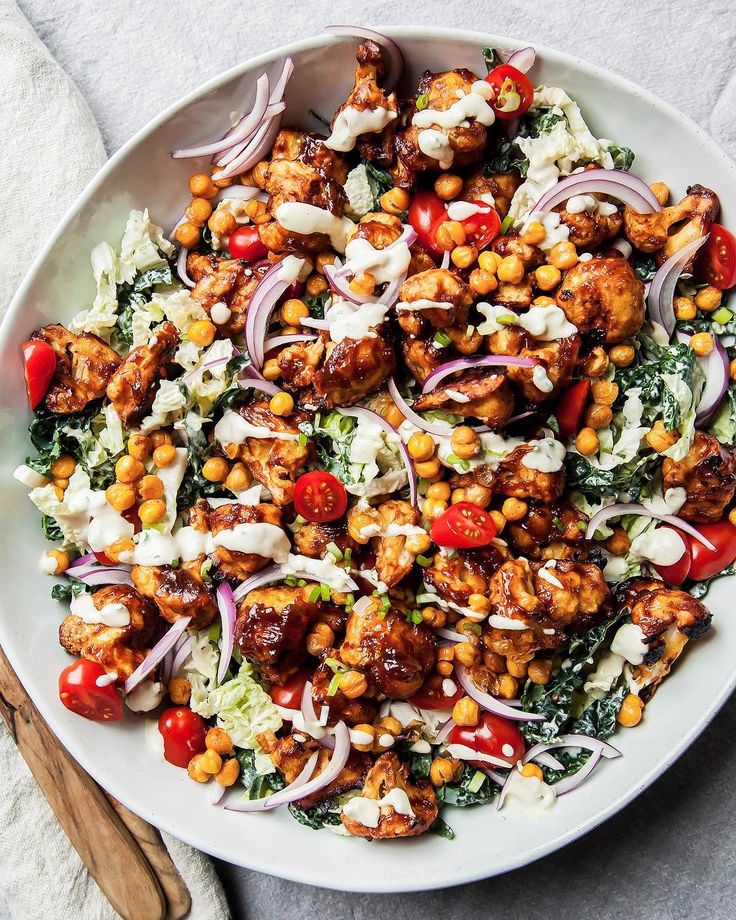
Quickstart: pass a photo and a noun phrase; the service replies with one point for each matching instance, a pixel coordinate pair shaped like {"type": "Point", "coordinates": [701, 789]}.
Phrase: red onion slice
{"type": "Point", "coordinates": [370, 415]}
{"type": "Point", "coordinates": [307, 704]}
{"type": "Point", "coordinates": [490, 702]}
{"type": "Point", "coordinates": [568, 783]}
{"type": "Point", "coordinates": [588, 742]}
{"type": "Point", "coordinates": [547, 760]}
{"type": "Point", "coordinates": [396, 58]}
{"type": "Point", "coordinates": [469, 364]}
{"type": "Point", "coordinates": [621, 508]}
{"type": "Point", "coordinates": [412, 416]}
{"type": "Point", "coordinates": [239, 132]}
{"type": "Point", "coordinates": [283, 341]}
{"type": "Point", "coordinates": [522, 60]}
{"type": "Point", "coordinates": [617, 183]}
{"type": "Point", "coordinates": [260, 308]}
{"type": "Point", "coordinates": [91, 572]}
{"type": "Point", "coordinates": [340, 285]}
{"type": "Point", "coordinates": [445, 263]}
{"type": "Point", "coordinates": [293, 790]}
{"type": "Point", "coordinates": [180, 655]}
{"type": "Point", "coordinates": [226, 606]}
{"type": "Point", "coordinates": [450, 634]}
{"type": "Point", "coordinates": [257, 383]}
{"type": "Point", "coordinates": [275, 573]}
{"type": "Point", "coordinates": [660, 299]}
{"type": "Point", "coordinates": [256, 148]}
{"type": "Point", "coordinates": [157, 653]}
{"type": "Point", "coordinates": [444, 731]}
{"type": "Point", "coordinates": [241, 192]}
{"type": "Point", "coordinates": [716, 369]}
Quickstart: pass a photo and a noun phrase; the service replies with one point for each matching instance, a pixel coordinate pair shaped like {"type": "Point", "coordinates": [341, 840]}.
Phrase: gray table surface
{"type": "Point", "coordinates": [671, 853]}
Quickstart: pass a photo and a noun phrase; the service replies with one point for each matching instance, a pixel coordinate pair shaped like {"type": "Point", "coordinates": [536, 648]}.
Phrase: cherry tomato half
{"type": "Point", "coordinates": [514, 92]}
{"type": "Point", "coordinates": [103, 559]}
{"type": "Point", "coordinates": [79, 692]}
{"type": "Point", "coordinates": [320, 497]}
{"type": "Point", "coordinates": [39, 366]}
{"type": "Point", "coordinates": [570, 408]}
{"type": "Point", "coordinates": [183, 732]}
{"type": "Point", "coordinates": [431, 695]}
{"type": "Point", "coordinates": [491, 736]}
{"type": "Point", "coordinates": [463, 526]}
{"type": "Point", "coordinates": [289, 695]}
{"type": "Point", "coordinates": [481, 228]}
{"type": "Point", "coordinates": [425, 211]}
{"type": "Point", "coordinates": [717, 259]}
{"type": "Point", "coordinates": [707, 563]}
{"type": "Point", "coordinates": [244, 243]}
{"type": "Point", "coordinates": [676, 573]}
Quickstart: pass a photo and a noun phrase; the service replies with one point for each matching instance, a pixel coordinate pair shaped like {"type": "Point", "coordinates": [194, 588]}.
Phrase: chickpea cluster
{"type": "Point", "coordinates": [217, 761]}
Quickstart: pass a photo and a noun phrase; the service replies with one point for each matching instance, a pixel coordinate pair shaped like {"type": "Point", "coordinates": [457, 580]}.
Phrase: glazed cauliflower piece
{"type": "Point", "coordinates": [483, 395]}
{"type": "Point", "coordinates": [179, 592]}
{"type": "Point", "coordinates": [467, 571]}
{"type": "Point", "coordinates": [708, 474]}
{"type": "Point", "coordinates": [438, 285]}
{"type": "Point", "coordinates": [227, 281]}
{"type": "Point", "coordinates": [667, 231]}
{"type": "Point", "coordinates": [133, 386]}
{"type": "Point", "coordinates": [380, 526]}
{"type": "Point", "coordinates": [231, 563]}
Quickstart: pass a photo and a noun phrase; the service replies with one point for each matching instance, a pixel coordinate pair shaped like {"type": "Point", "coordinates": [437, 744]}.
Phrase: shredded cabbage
{"type": "Point", "coordinates": [102, 316]}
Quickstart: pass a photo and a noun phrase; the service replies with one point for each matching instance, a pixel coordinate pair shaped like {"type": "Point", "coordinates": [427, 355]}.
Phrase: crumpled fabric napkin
{"type": "Point", "coordinates": [51, 149]}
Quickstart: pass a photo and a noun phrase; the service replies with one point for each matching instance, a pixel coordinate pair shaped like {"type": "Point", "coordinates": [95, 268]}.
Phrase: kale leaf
{"type": "Point", "coordinates": [257, 785]}
{"type": "Point", "coordinates": [599, 719]}
{"type": "Point", "coordinates": [459, 795]}
{"type": "Point", "coordinates": [507, 157]}
{"type": "Point", "coordinates": [419, 765]}
{"type": "Point", "coordinates": [68, 589]}
{"type": "Point", "coordinates": [442, 829]}
{"type": "Point", "coordinates": [51, 529]}
{"type": "Point", "coordinates": [622, 157]}
{"type": "Point", "coordinates": [490, 58]}
{"type": "Point", "coordinates": [318, 816]}
{"type": "Point", "coordinates": [135, 295]}
{"type": "Point", "coordinates": [316, 305]}
{"type": "Point", "coordinates": [645, 268]}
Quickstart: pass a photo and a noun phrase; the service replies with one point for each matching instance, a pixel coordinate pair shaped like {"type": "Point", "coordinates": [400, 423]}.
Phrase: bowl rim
{"type": "Point", "coordinates": [68, 739]}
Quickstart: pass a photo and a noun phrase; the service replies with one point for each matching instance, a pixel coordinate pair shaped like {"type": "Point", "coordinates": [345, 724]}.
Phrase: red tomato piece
{"type": "Point", "coordinates": [39, 366]}
{"type": "Point", "coordinates": [676, 573]}
{"type": "Point", "coordinates": [431, 694]}
{"type": "Point", "coordinates": [320, 497]}
{"type": "Point", "coordinates": [79, 692]}
{"type": "Point", "coordinates": [481, 228]}
{"type": "Point", "coordinates": [103, 559]}
{"type": "Point", "coordinates": [717, 259]}
{"type": "Point", "coordinates": [570, 408]}
{"type": "Point", "coordinates": [491, 736]}
{"type": "Point", "coordinates": [514, 92]}
{"type": "Point", "coordinates": [289, 694]}
{"type": "Point", "coordinates": [426, 212]}
{"type": "Point", "coordinates": [463, 526]}
{"type": "Point", "coordinates": [244, 243]}
{"type": "Point", "coordinates": [183, 732]}
{"type": "Point", "coordinates": [706, 563]}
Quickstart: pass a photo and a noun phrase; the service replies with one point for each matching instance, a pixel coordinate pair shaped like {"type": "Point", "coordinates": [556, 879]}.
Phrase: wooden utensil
{"type": "Point", "coordinates": [124, 854]}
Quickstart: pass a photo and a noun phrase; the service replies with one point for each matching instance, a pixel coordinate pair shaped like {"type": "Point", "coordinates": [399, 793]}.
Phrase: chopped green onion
{"type": "Point", "coordinates": [324, 591]}
{"type": "Point", "coordinates": [582, 526]}
{"type": "Point", "coordinates": [413, 616]}
{"type": "Point", "coordinates": [347, 556]}
{"type": "Point", "coordinates": [334, 550]}
{"type": "Point", "coordinates": [303, 440]}
{"type": "Point", "coordinates": [424, 561]}
{"type": "Point", "coordinates": [508, 319]}
{"type": "Point", "coordinates": [290, 580]}
{"type": "Point", "coordinates": [458, 461]}
{"type": "Point", "coordinates": [477, 781]}
{"type": "Point", "coordinates": [204, 570]}
{"type": "Point", "coordinates": [301, 583]}
{"type": "Point", "coordinates": [722, 316]}
{"type": "Point", "coordinates": [334, 684]}
{"type": "Point", "coordinates": [559, 523]}
{"type": "Point", "coordinates": [314, 594]}
{"type": "Point", "coordinates": [469, 331]}
{"type": "Point", "coordinates": [422, 101]}
{"type": "Point", "coordinates": [442, 339]}
{"type": "Point", "coordinates": [506, 225]}
{"type": "Point", "coordinates": [335, 665]}
{"type": "Point", "coordinates": [349, 603]}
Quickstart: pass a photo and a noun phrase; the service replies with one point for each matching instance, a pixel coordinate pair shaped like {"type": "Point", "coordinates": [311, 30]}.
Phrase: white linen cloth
{"type": "Point", "coordinates": [51, 148]}
{"type": "Point", "coordinates": [672, 853]}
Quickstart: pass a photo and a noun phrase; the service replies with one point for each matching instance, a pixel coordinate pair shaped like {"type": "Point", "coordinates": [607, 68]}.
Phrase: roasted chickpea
{"type": "Point", "coordinates": [238, 478]}
{"type": "Point", "coordinates": [316, 285]}
{"type": "Point", "coordinates": [464, 256]}
{"type": "Point", "coordinates": [353, 684]}
{"type": "Point", "coordinates": [467, 654]}
{"type": "Point", "coordinates": [702, 344]}
{"type": "Point", "coordinates": [531, 769]}
{"type": "Point", "coordinates": [511, 270]}
{"type": "Point", "coordinates": [434, 617]}
{"type": "Point", "coordinates": [294, 311]}
{"type": "Point", "coordinates": [60, 560]}
{"type": "Point", "coordinates": [394, 201]}
{"type": "Point", "coordinates": [482, 282]}
{"type": "Point", "coordinates": [448, 186]}
{"type": "Point", "coordinates": [508, 686]}
{"type": "Point", "coordinates": [320, 638]}
{"type": "Point", "coordinates": [534, 234]}
{"type": "Point", "coordinates": [661, 191]}
{"type": "Point", "coordinates": [63, 467]}
{"type": "Point", "coordinates": [151, 486]}
{"type": "Point", "coordinates": [152, 511]}
{"type": "Point", "coordinates": [587, 442]}
{"type": "Point", "coordinates": [516, 667]}
{"type": "Point", "coordinates": [631, 711]}
{"type": "Point", "coordinates": [202, 186]}
{"type": "Point", "coordinates": [128, 469]}
{"type": "Point", "coordinates": [222, 223]}
{"type": "Point", "coordinates": [660, 439]}
{"type": "Point", "coordinates": [281, 404]}
{"type": "Point", "coordinates": [120, 496]}
{"type": "Point", "coordinates": [140, 446]}
{"type": "Point", "coordinates": [489, 261]}
{"type": "Point", "coordinates": [229, 773]}
{"type": "Point", "coordinates": [198, 211]}
{"type": "Point", "coordinates": [466, 712]}
{"type": "Point", "coordinates": [450, 234]}
{"type": "Point", "coordinates": [188, 235]}
{"type": "Point", "coordinates": [421, 447]}
{"type": "Point", "coordinates": [164, 456]}
{"type": "Point", "coordinates": [547, 277]}
{"type": "Point", "coordinates": [465, 442]}
{"type": "Point", "coordinates": [685, 308]}
{"type": "Point", "coordinates": [708, 298]}
{"type": "Point", "coordinates": [622, 355]}
{"type": "Point", "coordinates": [598, 416]}
{"type": "Point", "coordinates": [216, 469]}
{"type": "Point", "coordinates": [563, 256]}
{"type": "Point", "coordinates": [160, 437]}
{"type": "Point", "coordinates": [271, 369]}
{"type": "Point", "coordinates": [363, 744]}
{"type": "Point", "coordinates": [539, 671]}
{"type": "Point", "coordinates": [445, 770]}
{"type": "Point", "coordinates": [179, 690]}
{"type": "Point", "coordinates": [604, 392]}
{"type": "Point", "coordinates": [596, 363]}
{"type": "Point", "coordinates": [433, 508]}
{"type": "Point", "coordinates": [218, 740]}
{"type": "Point", "coordinates": [429, 469]}
{"type": "Point", "coordinates": [513, 509]}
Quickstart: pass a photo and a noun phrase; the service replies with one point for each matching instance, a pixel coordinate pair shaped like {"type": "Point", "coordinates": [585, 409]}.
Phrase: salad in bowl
{"type": "Point", "coordinates": [392, 478]}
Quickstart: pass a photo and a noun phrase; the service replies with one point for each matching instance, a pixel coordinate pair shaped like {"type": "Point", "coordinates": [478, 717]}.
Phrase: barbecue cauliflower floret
{"type": "Point", "coordinates": [119, 649]}
{"type": "Point", "coordinates": [394, 655]}
{"type": "Point", "coordinates": [667, 231]}
{"type": "Point", "coordinates": [500, 187]}
{"type": "Point", "coordinates": [515, 479]}
{"type": "Point", "coordinates": [179, 592]}
{"type": "Point", "coordinates": [395, 551]}
{"type": "Point", "coordinates": [354, 368]}
{"type": "Point", "coordinates": [410, 810]}
{"type": "Point", "coordinates": [313, 540]}
{"type": "Point", "coordinates": [707, 472]}
{"type": "Point", "coordinates": [227, 281]}
{"type": "Point", "coordinates": [438, 285]}
{"type": "Point", "coordinates": [483, 395]}
{"type": "Point", "coordinates": [549, 532]}
{"type": "Point", "coordinates": [133, 385]}
{"type": "Point", "coordinates": [231, 563]}
{"type": "Point", "coordinates": [589, 229]}
{"type": "Point", "coordinates": [361, 710]}
{"type": "Point", "coordinates": [84, 367]}
{"type": "Point", "coordinates": [467, 571]}
{"type": "Point", "coordinates": [603, 296]}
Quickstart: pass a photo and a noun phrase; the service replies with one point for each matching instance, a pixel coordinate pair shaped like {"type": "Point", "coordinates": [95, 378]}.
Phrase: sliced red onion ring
{"type": "Point", "coordinates": [587, 742]}
{"type": "Point", "coordinates": [215, 793]}
{"type": "Point", "coordinates": [84, 560]}
{"type": "Point", "coordinates": [444, 731]}
{"type": "Point", "coordinates": [283, 341]}
{"type": "Point", "coordinates": [572, 782]}
{"type": "Point", "coordinates": [241, 192]}
{"type": "Point", "coordinates": [91, 572]}
{"type": "Point", "coordinates": [396, 58]}
{"type": "Point", "coordinates": [621, 508]}
{"type": "Point", "coordinates": [226, 606]}
{"type": "Point", "coordinates": [498, 778]}
{"type": "Point", "coordinates": [490, 702]}
{"type": "Point", "coordinates": [276, 573]}
{"type": "Point", "coordinates": [660, 299]}
{"type": "Point", "coordinates": [307, 704]}
{"type": "Point", "coordinates": [255, 150]}
{"type": "Point", "coordinates": [257, 383]}
{"type": "Point", "coordinates": [547, 760]}
{"type": "Point", "coordinates": [469, 364]}
{"type": "Point", "coordinates": [445, 263]}
{"type": "Point", "coordinates": [239, 132]}
{"type": "Point", "coordinates": [181, 259]}
{"type": "Point", "coordinates": [303, 785]}
{"type": "Point", "coordinates": [340, 285]}
{"type": "Point", "coordinates": [262, 304]}
{"type": "Point", "coordinates": [716, 370]}
{"type": "Point", "coordinates": [617, 183]}
{"type": "Point", "coordinates": [412, 416]}
{"type": "Point", "coordinates": [157, 653]}
{"type": "Point", "coordinates": [370, 415]}
{"type": "Point", "coordinates": [450, 634]}
{"type": "Point", "coordinates": [180, 655]}
{"type": "Point", "coordinates": [522, 60]}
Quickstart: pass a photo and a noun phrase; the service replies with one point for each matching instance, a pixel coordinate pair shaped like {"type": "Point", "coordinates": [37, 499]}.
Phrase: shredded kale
{"type": "Point", "coordinates": [316, 305]}
{"type": "Point", "coordinates": [645, 268]}
{"type": "Point", "coordinates": [442, 829]}
{"type": "Point", "coordinates": [194, 485]}
{"type": "Point", "coordinates": [135, 295]}
{"type": "Point", "coordinates": [257, 785]}
{"type": "Point", "coordinates": [555, 700]}
{"type": "Point", "coordinates": [490, 58]}
{"type": "Point", "coordinates": [539, 122]}
{"type": "Point", "coordinates": [627, 478]}
{"type": "Point", "coordinates": [51, 529]}
{"type": "Point", "coordinates": [318, 816]}
{"type": "Point", "coordinates": [379, 181]}
{"type": "Point", "coordinates": [333, 434]}
{"type": "Point", "coordinates": [419, 765]}
{"type": "Point", "coordinates": [599, 719]}
{"type": "Point", "coordinates": [506, 158]}
{"type": "Point", "coordinates": [460, 796]}
{"type": "Point", "coordinates": [571, 763]}
{"type": "Point", "coordinates": [69, 589]}
{"type": "Point", "coordinates": [622, 157]}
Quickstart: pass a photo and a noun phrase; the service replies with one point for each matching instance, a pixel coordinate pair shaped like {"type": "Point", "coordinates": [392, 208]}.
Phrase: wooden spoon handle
{"type": "Point", "coordinates": [104, 843]}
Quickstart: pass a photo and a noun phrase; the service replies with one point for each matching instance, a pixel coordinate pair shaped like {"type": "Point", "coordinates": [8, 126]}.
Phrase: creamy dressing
{"type": "Point", "coordinates": [220, 313]}
{"type": "Point", "coordinates": [608, 670]}
{"type": "Point", "coordinates": [660, 545]}
{"type": "Point", "coordinates": [545, 574]}
{"type": "Point", "coordinates": [436, 145]}
{"type": "Point", "coordinates": [347, 320]}
{"type": "Point", "coordinates": [47, 564]}
{"type": "Point", "coordinates": [457, 396]}
{"type": "Point", "coordinates": [449, 687]}
{"type": "Point", "coordinates": [385, 265]}
{"type": "Point", "coordinates": [546, 455]}
{"type": "Point", "coordinates": [555, 231]}
{"type": "Point", "coordinates": [462, 210]}
{"type": "Point", "coordinates": [529, 793]}
{"type": "Point", "coordinates": [104, 680]}
{"type": "Point", "coordinates": [391, 530]}
{"type": "Point", "coordinates": [434, 141]}
{"type": "Point", "coordinates": [548, 324]}
{"type": "Point", "coordinates": [115, 614]}
{"type": "Point", "coordinates": [146, 696]}
{"type": "Point", "coordinates": [359, 737]}
{"type": "Point", "coordinates": [669, 503]}
{"type": "Point", "coordinates": [323, 570]}
{"type": "Point", "coordinates": [630, 643]}
{"type": "Point", "coordinates": [540, 379]}
{"type": "Point", "coordinates": [421, 303]}
{"type": "Point", "coordinates": [292, 269]}
{"type": "Point", "coordinates": [498, 621]}
{"type": "Point", "coordinates": [590, 205]}
{"type": "Point", "coordinates": [298, 217]}
{"type": "Point", "coordinates": [351, 123]}
{"type": "Point", "coordinates": [368, 811]}
{"type": "Point", "coordinates": [107, 526]}
{"type": "Point", "coordinates": [234, 429]}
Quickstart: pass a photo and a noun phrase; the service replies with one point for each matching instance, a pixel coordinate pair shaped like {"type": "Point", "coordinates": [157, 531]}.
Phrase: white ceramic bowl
{"type": "Point", "coordinates": [668, 147]}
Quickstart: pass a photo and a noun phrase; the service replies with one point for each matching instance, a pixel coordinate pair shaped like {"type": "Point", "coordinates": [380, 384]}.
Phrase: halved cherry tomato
{"type": "Point", "coordinates": [481, 228]}
{"type": "Point", "coordinates": [707, 563]}
{"type": "Point", "coordinates": [244, 243]}
{"type": "Point", "coordinates": [39, 365]}
{"type": "Point", "coordinates": [183, 732]}
{"type": "Point", "coordinates": [289, 695]}
{"type": "Point", "coordinates": [320, 497]}
{"type": "Point", "coordinates": [570, 408]}
{"type": "Point", "coordinates": [425, 211]}
{"type": "Point", "coordinates": [431, 695]}
{"type": "Point", "coordinates": [103, 559]}
{"type": "Point", "coordinates": [514, 92]}
{"type": "Point", "coordinates": [717, 260]}
{"type": "Point", "coordinates": [78, 691]}
{"type": "Point", "coordinates": [676, 573]}
{"type": "Point", "coordinates": [463, 526]}
{"type": "Point", "coordinates": [491, 736]}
